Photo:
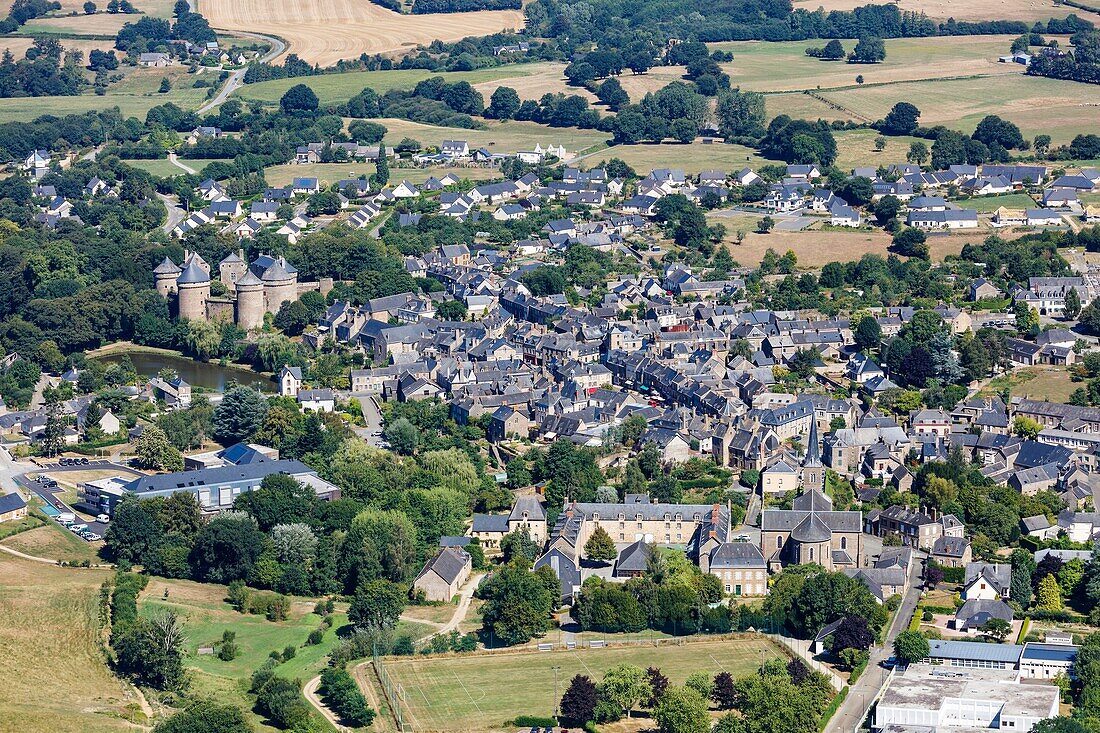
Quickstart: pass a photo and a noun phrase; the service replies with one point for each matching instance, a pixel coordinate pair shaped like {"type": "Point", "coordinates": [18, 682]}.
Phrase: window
{"type": "Point", "coordinates": [595, 516]}
{"type": "Point", "coordinates": [778, 542]}
{"type": "Point", "coordinates": [621, 536]}
{"type": "Point", "coordinates": [844, 543]}
{"type": "Point", "coordinates": [737, 590]}
{"type": "Point", "coordinates": [811, 554]}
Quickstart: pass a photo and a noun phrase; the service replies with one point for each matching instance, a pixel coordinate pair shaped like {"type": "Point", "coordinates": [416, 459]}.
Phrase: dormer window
{"type": "Point", "coordinates": [596, 516]}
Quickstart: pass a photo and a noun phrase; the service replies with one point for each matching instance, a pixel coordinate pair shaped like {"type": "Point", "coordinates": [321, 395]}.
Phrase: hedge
{"type": "Point", "coordinates": [833, 707]}
{"type": "Point", "coordinates": [1023, 631]}
{"type": "Point", "coordinates": [532, 721]}
{"type": "Point", "coordinates": [124, 597]}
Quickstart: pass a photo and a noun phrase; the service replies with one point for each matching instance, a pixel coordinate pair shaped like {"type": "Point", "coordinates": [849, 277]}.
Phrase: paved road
{"type": "Point", "coordinates": [237, 77]}
{"type": "Point", "coordinates": [860, 695]}
{"type": "Point", "coordinates": [175, 213]}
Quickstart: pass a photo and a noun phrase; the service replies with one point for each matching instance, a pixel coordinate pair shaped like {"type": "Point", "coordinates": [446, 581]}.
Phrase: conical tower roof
{"type": "Point", "coordinates": [249, 280]}
{"type": "Point", "coordinates": [193, 275]}
{"type": "Point", "coordinates": [167, 267]}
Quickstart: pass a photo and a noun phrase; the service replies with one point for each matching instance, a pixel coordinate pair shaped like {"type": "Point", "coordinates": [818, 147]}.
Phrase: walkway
{"type": "Point", "coordinates": [176, 162]}
{"type": "Point", "coordinates": [310, 692]}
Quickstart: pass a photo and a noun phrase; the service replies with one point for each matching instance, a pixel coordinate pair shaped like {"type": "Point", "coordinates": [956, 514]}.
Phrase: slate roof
{"type": "Point", "coordinates": [448, 564]}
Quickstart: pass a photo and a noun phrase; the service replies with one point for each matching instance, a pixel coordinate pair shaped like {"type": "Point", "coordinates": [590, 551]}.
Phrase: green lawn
{"type": "Point", "coordinates": [1037, 383]}
{"type": "Point", "coordinates": [334, 88]}
{"type": "Point", "coordinates": [481, 692]}
{"type": "Point", "coordinates": [328, 173]}
{"type": "Point", "coordinates": [693, 157]}
{"type": "Point", "coordinates": [165, 169]}
{"type": "Point", "coordinates": [989, 204]}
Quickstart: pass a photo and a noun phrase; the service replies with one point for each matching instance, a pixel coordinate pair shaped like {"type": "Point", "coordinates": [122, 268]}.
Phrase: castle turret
{"type": "Point", "coordinates": [250, 301]}
{"type": "Point", "coordinates": [193, 286]}
{"type": "Point", "coordinates": [165, 275]}
{"type": "Point", "coordinates": [280, 284]}
{"type": "Point", "coordinates": [232, 269]}
{"type": "Point", "coordinates": [189, 257]}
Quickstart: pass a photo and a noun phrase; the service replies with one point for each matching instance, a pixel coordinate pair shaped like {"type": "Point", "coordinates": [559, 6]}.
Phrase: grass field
{"type": "Point", "coordinates": [334, 88]}
{"type": "Point", "coordinates": [53, 542]}
{"type": "Point", "coordinates": [505, 137]}
{"type": "Point", "coordinates": [1037, 383]}
{"type": "Point", "coordinates": [206, 615]}
{"type": "Point", "coordinates": [481, 692]}
{"type": "Point", "coordinates": [54, 677]}
{"type": "Point", "coordinates": [325, 31]}
{"type": "Point", "coordinates": [755, 62]}
{"type": "Point", "coordinates": [963, 9]}
{"type": "Point", "coordinates": [989, 204]}
{"type": "Point", "coordinates": [165, 169]}
{"type": "Point", "coordinates": [693, 157]}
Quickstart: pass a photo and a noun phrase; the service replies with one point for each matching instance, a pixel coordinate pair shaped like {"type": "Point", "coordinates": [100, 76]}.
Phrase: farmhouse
{"type": "Point", "coordinates": [946, 219]}
{"type": "Point", "coordinates": [12, 507]}
{"type": "Point", "coordinates": [444, 574]}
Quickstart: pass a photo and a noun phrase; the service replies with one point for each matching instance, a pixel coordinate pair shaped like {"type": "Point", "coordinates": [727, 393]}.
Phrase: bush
{"type": "Point", "coordinates": [124, 597]}
{"type": "Point", "coordinates": [530, 721]}
{"type": "Point", "coordinates": [315, 637]}
{"type": "Point", "coordinates": [289, 652]}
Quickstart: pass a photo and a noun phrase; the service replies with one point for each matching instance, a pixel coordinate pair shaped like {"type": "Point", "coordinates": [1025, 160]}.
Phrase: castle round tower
{"type": "Point", "coordinates": [280, 284]}
{"type": "Point", "coordinates": [250, 301]}
{"type": "Point", "coordinates": [164, 275]}
{"type": "Point", "coordinates": [193, 288]}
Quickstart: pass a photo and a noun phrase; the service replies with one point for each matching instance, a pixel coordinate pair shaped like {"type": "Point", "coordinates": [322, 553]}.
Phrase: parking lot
{"type": "Point", "coordinates": [47, 489]}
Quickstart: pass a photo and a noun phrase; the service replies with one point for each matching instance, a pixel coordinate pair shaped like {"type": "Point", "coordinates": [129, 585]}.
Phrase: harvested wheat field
{"type": "Point", "coordinates": [325, 31]}
{"type": "Point", "coordinates": [963, 9]}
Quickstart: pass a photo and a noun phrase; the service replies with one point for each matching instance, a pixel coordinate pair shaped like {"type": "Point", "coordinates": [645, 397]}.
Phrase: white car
{"type": "Point", "coordinates": [78, 528]}
{"type": "Point", "coordinates": [103, 518]}
{"type": "Point", "coordinates": [92, 537]}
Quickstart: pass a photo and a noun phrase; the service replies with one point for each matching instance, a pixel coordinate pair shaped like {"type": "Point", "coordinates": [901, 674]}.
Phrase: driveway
{"type": "Point", "coordinates": [863, 692]}
{"type": "Point", "coordinates": [372, 415]}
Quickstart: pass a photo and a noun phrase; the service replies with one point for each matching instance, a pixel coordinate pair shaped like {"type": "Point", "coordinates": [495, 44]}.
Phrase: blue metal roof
{"type": "Point", "coordinates": [1050, 652]}
{"type": "Point", "coordinates": [974, 650]}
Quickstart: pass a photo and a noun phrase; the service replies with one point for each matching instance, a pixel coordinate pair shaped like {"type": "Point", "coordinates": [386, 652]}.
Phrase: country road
{"type": "Point", "coordinates": [310, 692]}
{"type": "Point", "coordinates": [237, 77]}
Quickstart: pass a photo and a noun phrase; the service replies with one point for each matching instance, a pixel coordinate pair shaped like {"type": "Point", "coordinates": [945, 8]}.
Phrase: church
{"type": "Point", "coordinates": [811, 531]}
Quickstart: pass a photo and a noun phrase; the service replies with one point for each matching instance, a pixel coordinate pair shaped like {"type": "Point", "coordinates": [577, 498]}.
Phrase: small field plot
{"type": "Point", "coordinates": [329, 173]}
{"type": "Point", "coordinates": [989, 204]}
{"type": "Point", "coordinates": [482, 692]}
{"type": "Point", "coordinates": [498, 137]}
{"type": "Point", "coordinates": [24, 109]}
{"type": "Point", "coordinates": [817, 248]}
{"type": "Point", "coordinates": [692, 158]}
{"type": "Point", "coordinates": [53, 677]}
{"type": "Point", "coordinates": [755, 62]}
{"type": "Point", "coordinates": [962, 9]}
{"type": "Point", "coordinates": [325, 31]}
{"type": "Point", "coordinates": [856, 148]}
{"type": "Point", "coordinates": [1038, 383]}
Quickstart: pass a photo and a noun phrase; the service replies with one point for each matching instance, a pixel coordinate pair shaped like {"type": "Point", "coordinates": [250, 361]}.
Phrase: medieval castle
{"type": "Point", "coordinates": [253, 289]}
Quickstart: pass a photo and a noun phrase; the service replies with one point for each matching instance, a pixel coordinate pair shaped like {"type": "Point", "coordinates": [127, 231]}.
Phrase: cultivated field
{"type": "Point", "coordinates": [166, 169]}
{"type": "Point", "coordinates": [477, 693]}
{"type": "Point", "coordinates": [325, 31]}
{"type": "Point", "coordinates": [100, 24]}
{"type": "Point", "coordinates": [962, 9]}
{"type": "Point", "coordinates": [1060, 109]}
{"type": "Point", "coordinates": [53, 677]}
{"type": "Point", "coordinates": [755, 63]}
{"type": "Point", "coordinates": [18, 46]}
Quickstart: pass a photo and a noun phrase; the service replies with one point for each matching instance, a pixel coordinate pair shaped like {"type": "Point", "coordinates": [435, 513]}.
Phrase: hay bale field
{"type": "Point", "coordinates": [54, 677]}
{"type": "Point", "coordinates": [480, 693]}
{"type": "Point", "coordinates": [325, 31]}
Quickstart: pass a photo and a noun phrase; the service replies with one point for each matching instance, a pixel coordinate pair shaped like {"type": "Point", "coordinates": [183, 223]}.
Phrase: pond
{"type": "Point", "coordinates": [210, 376]}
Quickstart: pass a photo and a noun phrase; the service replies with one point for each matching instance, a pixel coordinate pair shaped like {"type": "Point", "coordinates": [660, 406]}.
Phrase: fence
{"type": "Point", "coordinates": [394, 693]}
{"type": "Point", "coordinates": [801, 649]}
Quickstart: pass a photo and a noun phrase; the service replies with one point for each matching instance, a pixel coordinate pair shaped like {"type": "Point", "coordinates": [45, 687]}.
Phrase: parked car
{"type": "Point", "coordinates": [78, 528]}
{"type": "Point", "coordinates": [103, 518]}
{"type": "Point", "coordinates": [83, 461]}
{"type": "Point", "coordinates": [92, 537]}
{"type": "Point", "coordinates": [66, 518]}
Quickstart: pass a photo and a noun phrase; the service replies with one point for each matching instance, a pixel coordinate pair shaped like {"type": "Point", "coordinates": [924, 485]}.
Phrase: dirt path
{"type": "Point", "coordinates": [176, 162]}
{"type": "Point", "coordinates": [465, 599]}
{"type": "Point", "coordinates": [310, 691]}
